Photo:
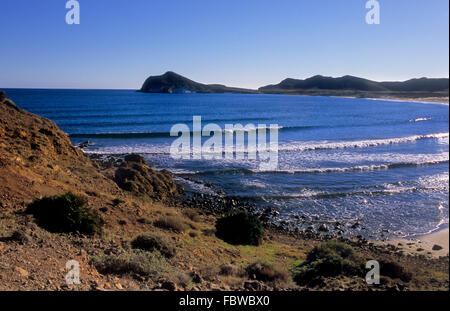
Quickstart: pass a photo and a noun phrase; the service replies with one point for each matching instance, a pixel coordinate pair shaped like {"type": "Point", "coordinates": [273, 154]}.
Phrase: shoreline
{"type": "Point", "coordinates": [221, 203]}
{"type": "Point", "coordinates": [424, 100]}
{"type": "Point", "coordinates": [32, 257]}
{"type": "Point", "coordinates": [434, 244]}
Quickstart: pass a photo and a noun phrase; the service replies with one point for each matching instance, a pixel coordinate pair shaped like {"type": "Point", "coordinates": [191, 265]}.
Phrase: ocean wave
{"type": "Point", "coordinates": [309, 194]}
{"type": "Point", "coordinates": [158, 134]}
{"type": "Point", "coordinates": [359, 168]}
{"type": "Point", "coordinates": [419, 119]}
{"type": "Point", "coordinates": [360, 143]}
{"type": "Point", "coordinates": [299, 147]}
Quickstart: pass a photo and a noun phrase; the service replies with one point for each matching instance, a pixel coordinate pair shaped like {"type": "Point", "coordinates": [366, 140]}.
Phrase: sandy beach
{"type": "Point", "coordinates": [431, 100]}
{"type": "Point", "coordinates": [435, 244]}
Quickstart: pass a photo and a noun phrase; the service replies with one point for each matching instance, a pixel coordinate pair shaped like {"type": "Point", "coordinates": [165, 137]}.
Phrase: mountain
{"type": "Point", "coordinates": [171, 82]}
{"type": "Point", "coordinates": [320, 85]}
{"type": "Point", "coordinates": [326, 83]}
{"type": "Point", "coordinates": [416, 85]}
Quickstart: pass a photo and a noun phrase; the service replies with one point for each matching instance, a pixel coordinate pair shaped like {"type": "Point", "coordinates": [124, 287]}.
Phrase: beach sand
{"type": "Point", "coordinates": [436, 100]}
{"type": "Point", "coordinates": [424, 244]}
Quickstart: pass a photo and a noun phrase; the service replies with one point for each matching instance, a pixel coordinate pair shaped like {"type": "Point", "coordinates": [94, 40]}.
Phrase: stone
{"type": "Point", "coordinates": [22, 271]}
{"type": "Point", "coordinates": [323, 228]}
{"type": "Point", "coordinates": [253, 285]}
{"type": "Point", "coordinates": [20, 237]}
{"type": "Point", "coordinates": [436, 247]}
{"type": "Point", "coordinates": [169, 285]}
{"type": "Point", "coordinates": [135, 158]}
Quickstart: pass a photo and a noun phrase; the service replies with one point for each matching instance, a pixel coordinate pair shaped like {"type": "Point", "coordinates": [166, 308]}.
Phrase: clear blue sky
{"type": "Point", "coordinates": [247, 43]}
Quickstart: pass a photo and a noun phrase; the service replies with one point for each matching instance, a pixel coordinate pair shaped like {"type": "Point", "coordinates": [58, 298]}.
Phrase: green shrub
{"type": "Point", "coordinates": [152, 241]}
{"type": "Point", "coordinates": [327, 260]}
{"type": "Point", "coordinates": [266, 273]}
{"type": "Point", "coordinates": [136, 262]}
{"type": "Point", "coordinates": [240, 228]}
{"type": "Point", "coordinates": [173, 223]}
{"type": "Point", "coordinates": [65, 213]}
{"type": "Point", "coordinates": [394, 271]}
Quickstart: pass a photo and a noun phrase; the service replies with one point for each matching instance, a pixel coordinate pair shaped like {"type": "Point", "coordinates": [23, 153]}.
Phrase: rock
{"type": "Point", "coordinates": [135, 158]}
{"type": "Point", "coordinates": [22, 271]}
{"type": "Point", "coordinates": [2, 96]}
{"type": "Point", "coordinates": [84, 145]}
{"type": "Point", "coordinates": [436, 247]}
{"type": "Point", "coordinates": [20, 237]}
{"type": "Point", "coordinates": [169, 285]}
{"type": "Point", "coordinates": [253, 285]}
{"type": "Point", "coordinates": [196, 278]}
{"type": "Point", "coordinates": [139, 178]}
{"type": "Point", "coordinates": [323, 228]}
{"type": "Point", "coordinates": [355, 225]}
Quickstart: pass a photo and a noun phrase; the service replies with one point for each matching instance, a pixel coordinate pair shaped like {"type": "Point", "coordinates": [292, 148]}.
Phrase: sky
{"type": "Point", "coordinates": [242, 43]}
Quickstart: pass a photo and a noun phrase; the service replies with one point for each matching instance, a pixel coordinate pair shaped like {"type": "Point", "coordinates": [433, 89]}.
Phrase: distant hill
{"type": "Point", "coordinates": [171, 82]}
{"type": "Point", "coordinates": [418, 85]}
{"type": "Point", "coordinates": [327, 83]}
{"type": "Point", "coordinates": [349, 85]}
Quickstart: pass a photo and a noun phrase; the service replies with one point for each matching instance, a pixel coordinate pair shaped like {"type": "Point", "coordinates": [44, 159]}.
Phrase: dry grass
{"type": "Point", "coordinates": [152, 241]}
{"type": "Point", "coordinates": [173, 223]}
{"type": "Point", "coordinates": [136, 262]}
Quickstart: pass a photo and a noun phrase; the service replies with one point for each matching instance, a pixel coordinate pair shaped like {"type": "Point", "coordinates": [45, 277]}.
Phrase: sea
{"type": "Point", "coordinates": [380, 166]}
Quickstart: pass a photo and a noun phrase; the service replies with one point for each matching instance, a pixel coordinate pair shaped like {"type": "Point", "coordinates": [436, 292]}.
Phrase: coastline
{"type": "Point", "coordinates": [434, 244]}
{"type": "Point", "coordinates": [135, 200]}
{"type": "Point", "coordinates": [424, 100]}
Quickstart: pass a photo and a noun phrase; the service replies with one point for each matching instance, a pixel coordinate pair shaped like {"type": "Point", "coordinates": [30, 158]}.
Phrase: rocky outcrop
{"type": "Point", "coordinates": [136, 176]}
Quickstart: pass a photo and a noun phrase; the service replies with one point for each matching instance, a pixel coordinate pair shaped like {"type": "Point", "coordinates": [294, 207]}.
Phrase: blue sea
{"type": "Point", "coordinates": [383, 164]}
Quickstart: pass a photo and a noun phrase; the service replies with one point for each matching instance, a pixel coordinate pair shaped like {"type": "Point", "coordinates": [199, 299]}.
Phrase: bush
{"type": "Point", "coordinates": [173, 223]}
{"type": "Point", "coordinates": [327, 260]}
{"type": "Point", "coordinates": [266, 273]}
{"type": "Point", "coordinates": [394, 271]}
{"type": "Point", "coordinates": [65, 213]}
{"type": "Point", "coordinates": [137, 262]}
{"type": "Point", "coordinates": [230, 269]}
{"type": "Point", "coordinates": [152, 241]}
{"type": "Point", "coordinates": [117, 201]}
{"type": "Point", "coordinates": [192, 214]}
{"type": "Point", "coordinates": [240, 228]}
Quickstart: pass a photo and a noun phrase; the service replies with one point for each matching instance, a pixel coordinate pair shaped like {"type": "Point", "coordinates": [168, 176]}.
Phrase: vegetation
{"type": "Point", "coordinates": [240, 228]}
{"type": "Point", "coordinates": [137, 262]}
{"type": "Point", "coordinates": [192, 214]}
{"type": "Point", "coordinates": [174, 223]}
{"type": "Point", "coordinates": [266, 273]}
{"type": "Point", "coordinates": [329, 259]}
{"type": "Point", "coordinates": [394, 271]}
{"type": "Point", "coordinates": [152, 241]}
{"type": "Point", "coordinates": [230, 269]}
{"type": "Point", "coordinates": [65, 213]}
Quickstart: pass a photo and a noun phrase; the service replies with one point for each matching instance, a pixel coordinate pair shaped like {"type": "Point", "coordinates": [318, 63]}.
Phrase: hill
{"type": "Point", "coordinates": [355, 86]}
{"type": "Point", "coordinates": [171, 82]}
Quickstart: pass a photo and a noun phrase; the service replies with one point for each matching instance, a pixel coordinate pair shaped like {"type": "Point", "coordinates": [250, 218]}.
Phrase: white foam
{"type": "Point", "coordinates": [359, 144]}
